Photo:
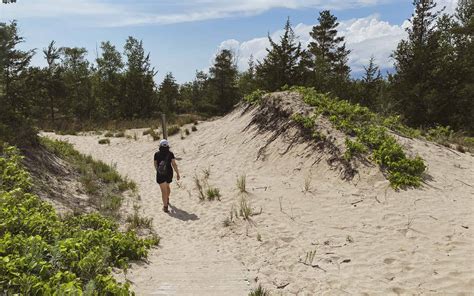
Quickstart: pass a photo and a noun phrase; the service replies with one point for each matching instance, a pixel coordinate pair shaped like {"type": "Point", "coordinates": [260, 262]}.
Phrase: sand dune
{"type": "Point", "coordinates": [357, 237]}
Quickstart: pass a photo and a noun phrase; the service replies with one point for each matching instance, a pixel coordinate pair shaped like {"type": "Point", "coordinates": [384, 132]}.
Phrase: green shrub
{"type": "Point", "coordinates": [104, 142]}
{"type": "Point", "coordinates": [186, 131]}
{"type": "Point", "coordinates": [109, 134]}
{"type": "Point", "coordinates": [354, 149]}
{"type": "Point", "coordinates": [120, 134]}
{"type": "Point", "coordinates": [370, 132]}
{"type": "Point", "coordinates": [306, 122]}
{"type": "Point", "coordinates": [194, 128]}
{"type": "Point", "coordinates": [255, 97]}
{"type": "Point", "coordinates": [42, 254]}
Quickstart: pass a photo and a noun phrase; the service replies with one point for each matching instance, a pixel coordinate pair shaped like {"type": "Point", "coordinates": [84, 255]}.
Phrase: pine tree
{"type": "Point", "coordinates": [415, 63]}
{"type": "Point", "coordinates": [15, 117]}
{"type": "Point", "coordinates": [281, 66]}
{"type": "Point", "coordinates": [109, 81]}
{"type": "Point", "coordinates": [80, 102]}
{"type": "Point", "coordinates": [168, 94]}
{"type": "Point", "coordinates": [329, 56]}
{"type": "Point", "coordinates": [370, 84]}
{"type": "Point", "coordinates": [223, 82]}
{"type": "Point", "coordinates": [54, 83]}
{"type": "Point", "coordinates": [247, 80]}
{"type": "Point", "coordinates": [139, 94]}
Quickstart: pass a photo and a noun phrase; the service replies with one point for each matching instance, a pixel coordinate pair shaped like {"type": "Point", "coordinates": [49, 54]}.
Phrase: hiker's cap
{"type": "Point", "coordinates": [164, 143]}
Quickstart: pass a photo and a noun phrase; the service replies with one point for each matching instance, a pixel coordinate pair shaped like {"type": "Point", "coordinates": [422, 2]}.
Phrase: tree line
{"type": "Point", "coordinates": [432, 83]}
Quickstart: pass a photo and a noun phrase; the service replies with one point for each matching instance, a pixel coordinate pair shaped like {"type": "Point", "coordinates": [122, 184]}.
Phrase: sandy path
{"type": "Point", "coordinates": [186, 262]}
{"type": "Point", "coordinates": [366, 238]}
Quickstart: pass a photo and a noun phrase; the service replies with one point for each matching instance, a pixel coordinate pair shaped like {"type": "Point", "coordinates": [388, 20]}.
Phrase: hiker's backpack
{"type": "Point", "coordinates": [162, 169]}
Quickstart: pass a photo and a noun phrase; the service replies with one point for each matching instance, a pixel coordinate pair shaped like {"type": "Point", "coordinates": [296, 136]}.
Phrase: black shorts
{"type": "Point", "coordinates": [163, 179]}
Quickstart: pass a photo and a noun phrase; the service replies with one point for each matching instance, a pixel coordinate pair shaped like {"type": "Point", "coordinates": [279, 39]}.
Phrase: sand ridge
{"type": "Point", "coordinates": [361, 236]}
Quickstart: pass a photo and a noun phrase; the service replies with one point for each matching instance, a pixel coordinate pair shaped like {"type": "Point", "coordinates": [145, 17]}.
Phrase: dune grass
{"type": "Point", "coordinates": [259, 291]}
{"type": "Point", "coordinates": [99, 179]}
{"type": "Point", "coordinates": [242, 183]}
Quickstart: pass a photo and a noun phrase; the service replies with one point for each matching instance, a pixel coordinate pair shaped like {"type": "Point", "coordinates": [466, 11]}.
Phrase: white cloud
{"type": "Point", "coordinates": [128, 12]}
{"type": "Point", "coordinates": [365, 37]}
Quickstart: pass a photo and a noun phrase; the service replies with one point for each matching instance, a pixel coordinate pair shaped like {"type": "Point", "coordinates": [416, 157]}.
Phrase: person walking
{"type": "Point", "coordinates": [165, 162]}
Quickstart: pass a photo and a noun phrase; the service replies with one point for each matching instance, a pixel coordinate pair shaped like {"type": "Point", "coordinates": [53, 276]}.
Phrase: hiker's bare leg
{"type": "Point", "coordinates": [164, 193]}
{"type": "Point", "coordinates": [168, 187]}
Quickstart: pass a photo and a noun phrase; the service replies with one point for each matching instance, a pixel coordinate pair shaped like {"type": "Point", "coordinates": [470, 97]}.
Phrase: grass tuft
{"type": "Point", "coordinates": [242, 184]}
{"type": "Point", "coordinates": [259, 291]}
{"type": "Point", "coordinates": [213, 193]}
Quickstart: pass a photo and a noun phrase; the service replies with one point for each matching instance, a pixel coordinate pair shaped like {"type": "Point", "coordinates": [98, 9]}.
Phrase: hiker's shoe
{"type": "Point", "coordinates": [165, 209]}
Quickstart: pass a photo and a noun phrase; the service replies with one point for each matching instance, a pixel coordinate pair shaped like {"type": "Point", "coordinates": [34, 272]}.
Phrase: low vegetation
{"type": "Point", "coordinates": [104, 142]}
{"type": "Point", "coordinates": [42, 254]}
{"type": "Point", "coordinates": [370, 135]}
{"type": "Point", "coordinates": [259, 291]}
{"type": "Point", "coordinates": [100, 180]}
{"type": "Point", "coordinates": [205, 190]}
{"type": "Point", "coordinates": [173, 130]}
{"type": "Point", "coordinates": [213, 193]}
{"type": "Point", "coordinates": [242, 183]}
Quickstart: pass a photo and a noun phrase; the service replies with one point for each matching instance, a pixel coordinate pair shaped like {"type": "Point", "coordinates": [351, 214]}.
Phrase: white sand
{"type": "Point", "coordinates": [367, 238]}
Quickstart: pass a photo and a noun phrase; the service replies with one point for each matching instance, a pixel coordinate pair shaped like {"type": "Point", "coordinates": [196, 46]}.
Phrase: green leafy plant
{"type": "Point", "coordinates": [42, 254]}
{"type": "Point", "coordinates": [353, 149]}
{"type": "Point", "coordinates": [255, 97]}
{"type": "Point", "coordinates": [194, 128]}
{"type": "Point", "coordinates": [371, 135]}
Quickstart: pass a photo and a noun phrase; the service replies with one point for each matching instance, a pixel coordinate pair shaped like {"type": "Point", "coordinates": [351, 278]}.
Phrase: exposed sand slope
{"type": "Point", "coordinates": [366, 237]}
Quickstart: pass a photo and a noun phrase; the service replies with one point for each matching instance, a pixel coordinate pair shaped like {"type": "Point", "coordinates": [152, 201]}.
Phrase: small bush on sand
{"type": "Point", "coordinates": [104, 141]}
{"type": "Point", "coordinates": [186, 132]}
{"type": "Point", "coordinates": [213, 193]}
{"type": "Point", "coordinates": [173, 130]}
{"type": "Point", "coordinates": [109, 134]}
{"type": "Point", "coordinates": [242, 183]}
{"type": "Point", "coordinates": [259, 291]}
{"type": "Point", "coordinates": [194, 128]}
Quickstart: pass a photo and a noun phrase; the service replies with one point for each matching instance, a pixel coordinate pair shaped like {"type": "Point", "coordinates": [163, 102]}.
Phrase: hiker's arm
{"type": "Point", "coordinates": [156, 164]}
{"type": "Point", "coordinates": [175, 167]}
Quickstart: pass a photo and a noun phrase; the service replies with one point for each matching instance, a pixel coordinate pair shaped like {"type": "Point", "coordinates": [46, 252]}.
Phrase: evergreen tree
{"type": "Point", "coordinates": [15, 117]}
{"type": "Point", "coordinates": [416, 60]}
{"type": "Point", "coordinates": [223, 82]}
{"type": "Point", "coordinates": [109, 81]}
{"type": "Point", "coordinates": [281, 66]}
{"type": "Point", "coordinates": [54, 85]}
{"type": "Point", "coordinates": [80, 102]}
{"type": "Point", "coordinates": [370, 84]}
{"type": "Point", "coordinates": [329, 56]}
{"type": "Point", "coordinates": [247, 82]}
{"type": "Point", "coordinates": [139, 95]}
{"type": "Point", "coordinates": [168, 94]}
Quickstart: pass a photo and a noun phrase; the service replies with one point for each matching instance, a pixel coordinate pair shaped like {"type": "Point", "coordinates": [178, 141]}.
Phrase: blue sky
{"type": "Point", "coordinates": [183, 36]}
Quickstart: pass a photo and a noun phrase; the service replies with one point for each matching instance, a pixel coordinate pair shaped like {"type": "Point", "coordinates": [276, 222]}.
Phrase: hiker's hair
{"type": "Point", "coordinates": [164, 149]}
